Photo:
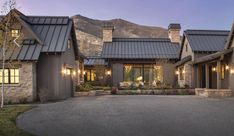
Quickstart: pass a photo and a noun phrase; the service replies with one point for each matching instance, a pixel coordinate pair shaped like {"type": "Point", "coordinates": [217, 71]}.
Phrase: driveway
{"type": "Point", "coordinates": [132, 116]}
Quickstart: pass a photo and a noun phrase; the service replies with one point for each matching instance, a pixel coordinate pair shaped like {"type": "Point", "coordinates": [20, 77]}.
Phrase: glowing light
{"type": "Point", "coordinates": [227, 67]}
{"type": "Point", "coordinates": [232, 71]}
{"type": "Point", "coordinates": [79, 71]}
{"type": "Point", "coordinates": [74, 73]}
{"type": "Point", "coordinates": [214, 69]}
{"type": "Point", "coordinates": [183, 71]}
{"type": "Point", "coordinates": [177, 72]}
{"type": "Point", "coordinates": [64, 71]}
{"type": "Point", "coordinates": [84, 72]}
{"type": "Point", "coordinates": [108, 72]}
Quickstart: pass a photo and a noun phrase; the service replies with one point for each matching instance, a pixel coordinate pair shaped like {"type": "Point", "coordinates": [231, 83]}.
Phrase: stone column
{"type": "Point", "coordinates": [219, 74]}
{"type": "Point", "coordinates": [207, 77]}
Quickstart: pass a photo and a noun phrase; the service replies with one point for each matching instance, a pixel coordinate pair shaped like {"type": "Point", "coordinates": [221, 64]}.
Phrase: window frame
{"type": "Point", "coordinates": [10, 76]}
{"type": "Point", "coordinates": [15, 34]}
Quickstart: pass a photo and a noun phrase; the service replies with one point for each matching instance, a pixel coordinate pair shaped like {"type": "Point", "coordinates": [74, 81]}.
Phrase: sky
{"type": "Point", "coordinates": [191, 14]}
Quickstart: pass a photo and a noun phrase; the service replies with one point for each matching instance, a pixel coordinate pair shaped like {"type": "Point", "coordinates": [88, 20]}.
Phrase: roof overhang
{"type": "Point", "coordinates": [183, 61]}
{"type": "Point", "coordinates": [212, 57]}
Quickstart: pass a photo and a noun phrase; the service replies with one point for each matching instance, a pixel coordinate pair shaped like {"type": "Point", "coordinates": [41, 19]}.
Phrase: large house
{"type": "Point", "coordinates": [46, 63]}
{"type": "Point", "coordinates": [144, 61]}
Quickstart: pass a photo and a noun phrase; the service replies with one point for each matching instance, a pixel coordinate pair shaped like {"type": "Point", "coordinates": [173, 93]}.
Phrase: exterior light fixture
{"type": "Point", "coordinates": [74, 73]}
{"type": "Point", "coordinates": [232, 71]}
{"type": "Point", "coordinates": [177, 72]}
{"type": "Point", "coordinates": [214, 69]}
{"type": "Point", "coordinates": [183, 71]}
{"type": "Point", "coordinates": [108, 72]}
{"type": "Point", "coordinates": [227, 67]}
{"type": "Point", "coordinates": [84, 72]}
{"type": "Point", "coordinates": [79, 71]}
{"type": "Point", "coordinates": [64, 71]}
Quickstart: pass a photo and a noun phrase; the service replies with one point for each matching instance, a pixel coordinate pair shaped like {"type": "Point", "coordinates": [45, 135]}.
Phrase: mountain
{"type": "Point", "coordinates": [89, 32]}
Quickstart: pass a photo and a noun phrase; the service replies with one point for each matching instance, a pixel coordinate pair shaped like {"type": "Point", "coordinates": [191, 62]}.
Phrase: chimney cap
{"type": "Point", "coordinates": [108, 25]}
{"type": "Point", "coordinates": [174, 26]}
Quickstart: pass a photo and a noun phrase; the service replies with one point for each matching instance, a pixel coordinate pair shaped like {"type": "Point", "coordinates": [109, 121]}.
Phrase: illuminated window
{"type": "Point", "coordinates": [15, 33]}
{"type": "Point", "coordinates": [145, 73]}
{"type": "Point", "coordinates": [91, 75]}
{"type": "Point", "coordinates": [223, 71]}
{"type": "Point", "coordinates": [11, 76]}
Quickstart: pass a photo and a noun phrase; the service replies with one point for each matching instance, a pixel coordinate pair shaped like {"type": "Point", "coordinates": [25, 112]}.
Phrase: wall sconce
{"type": "Point", "coordinates": [64, 71]}
{"type": "Point", "coordinates": [227, 67]}
{"type": "Point", "coordinates": [74, 73]}
{"type": "Point", "coordinates": [177, 72]}
{"type": "Point", "coordinates": [79, 71]}
{"type": "Point", "coordinates": [84, 72]}
{"type": "Point", "coordinates": [232, 71]}
{"type": "Point", "coordinates": [214, 69]}
{"type": "Point", "coordinates": [183, 71]}
{"type": "Point", "coordinates": [108, 72]}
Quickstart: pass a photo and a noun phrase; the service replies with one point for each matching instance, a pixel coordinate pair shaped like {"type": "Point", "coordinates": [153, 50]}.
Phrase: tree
{"type": "Point", "coordinates": [7, 42]}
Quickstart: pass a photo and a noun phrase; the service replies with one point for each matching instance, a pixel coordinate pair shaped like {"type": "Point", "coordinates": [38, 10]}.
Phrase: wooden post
{"type": "Point", "coordinates": [197, 73]}
{"type": "Point", "coordinates": [219, 74]}
{"type": "Point", "coordinates": [207, 76]}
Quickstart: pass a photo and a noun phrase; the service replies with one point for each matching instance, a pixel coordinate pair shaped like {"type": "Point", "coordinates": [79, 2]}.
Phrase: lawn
{"type": "Point", "coordinates": [8, 117]}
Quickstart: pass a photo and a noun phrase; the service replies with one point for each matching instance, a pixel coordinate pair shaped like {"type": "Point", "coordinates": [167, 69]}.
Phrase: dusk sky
{"type": "Point", "coordinates": [191, 14]}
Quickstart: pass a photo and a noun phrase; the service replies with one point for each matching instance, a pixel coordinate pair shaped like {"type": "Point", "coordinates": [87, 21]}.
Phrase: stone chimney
{"type": "Point", "coordinates": [174, 33]}
{"type": "Point", "coordinates": [107, 31]}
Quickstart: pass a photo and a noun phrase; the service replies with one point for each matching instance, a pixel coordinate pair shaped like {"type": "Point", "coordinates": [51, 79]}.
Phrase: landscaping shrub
{"type": "Point", "coordinates": [84, 87]}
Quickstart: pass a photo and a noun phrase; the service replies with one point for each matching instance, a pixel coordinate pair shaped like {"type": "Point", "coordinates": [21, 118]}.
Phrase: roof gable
{"type": "Point", "coordinates": [206, 40]}
{"type": "Point", "coordinates": [230, 38]}
{"type": "Point", "coordinates": [140, 48]}
{"type": "Point", "coordinates": [52, 34]}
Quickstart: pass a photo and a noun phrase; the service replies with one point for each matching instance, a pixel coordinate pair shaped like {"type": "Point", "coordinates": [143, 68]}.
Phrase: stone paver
{"type": "Point", "coordinates": [132, 116]}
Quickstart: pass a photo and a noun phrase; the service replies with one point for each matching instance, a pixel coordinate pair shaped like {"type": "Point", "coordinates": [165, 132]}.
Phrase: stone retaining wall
{"type": "Point", "coordinates": [213, 92]}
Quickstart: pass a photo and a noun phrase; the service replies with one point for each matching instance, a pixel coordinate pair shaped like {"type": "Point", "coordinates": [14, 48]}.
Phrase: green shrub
{"type": "Point", "coordinates": [84, 87]}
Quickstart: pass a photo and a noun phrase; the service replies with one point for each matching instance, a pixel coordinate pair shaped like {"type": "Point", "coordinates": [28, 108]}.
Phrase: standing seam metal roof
{"type": "Point", "coordinates": [206, 40]}
{"type": "Point", "coordinates": [140, 48]}
{"type": "Point", "coordinates": [52, 30]}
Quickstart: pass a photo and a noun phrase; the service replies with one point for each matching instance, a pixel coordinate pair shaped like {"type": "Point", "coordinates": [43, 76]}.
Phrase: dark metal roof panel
{"type": "Point", "coordinates": [207, 40]}
{"type": "Point", "coordinates": [129, 48]}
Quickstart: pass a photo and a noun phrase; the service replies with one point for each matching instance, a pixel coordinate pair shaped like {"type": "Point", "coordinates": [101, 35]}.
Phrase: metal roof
{"type": "Point", "coordinates": [140, 48]}
{"type": "Point", "coordinates": [94, 61]}
{"type": "Point", "coordinates": [50, 32]}
{"type": "Point", "coordinates": [206, 40]}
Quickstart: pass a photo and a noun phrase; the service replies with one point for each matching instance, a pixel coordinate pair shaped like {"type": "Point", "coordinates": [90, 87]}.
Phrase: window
{"type": "Point", "coordinates": [145, 73]}
{"type": "Point", "coordinates": [223, 72]}
{"type": "Point", "coordinates": [69, 44]}
{"type": "Point", "coordinates": [181, 73]}
{"type": "Point", "coordinates": [15, 33]}
{"type": "Point", "coordinates": [11, 76]}
{"type": "Point", "coordinates": [90, 75]}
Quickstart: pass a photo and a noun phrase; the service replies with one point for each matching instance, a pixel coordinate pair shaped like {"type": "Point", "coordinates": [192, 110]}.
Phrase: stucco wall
{"type": "Point", "coordinates": [25, 91]}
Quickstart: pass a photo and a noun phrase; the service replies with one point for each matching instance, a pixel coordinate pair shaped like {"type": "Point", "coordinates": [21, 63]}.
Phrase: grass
{"type": "Point", "coordinates": [8, 117]}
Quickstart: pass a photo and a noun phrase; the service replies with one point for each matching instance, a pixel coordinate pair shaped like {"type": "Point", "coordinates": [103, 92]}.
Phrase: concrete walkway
{"type": "Point", "coordinates": [132, 116]}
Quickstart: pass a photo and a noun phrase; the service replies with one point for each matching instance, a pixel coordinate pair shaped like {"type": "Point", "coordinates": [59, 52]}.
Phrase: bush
{"type": "Point", "coordinates": [84, 87]}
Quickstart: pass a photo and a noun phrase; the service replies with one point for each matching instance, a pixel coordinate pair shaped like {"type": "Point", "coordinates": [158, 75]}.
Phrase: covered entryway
{"type": "Point", "coordinates": [212, 75]}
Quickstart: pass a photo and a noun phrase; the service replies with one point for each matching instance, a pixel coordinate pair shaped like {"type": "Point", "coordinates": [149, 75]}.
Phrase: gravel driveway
{"type": "Point", "coordinates": [132, 116]}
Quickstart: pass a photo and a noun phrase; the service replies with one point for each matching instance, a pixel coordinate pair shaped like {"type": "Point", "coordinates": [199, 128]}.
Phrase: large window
{"type": "Point", "coordinates": [143, 73]}
{"type": "Point", "coordinates": [90, 75]}
{"type": "Point", "coordinates": [11, 76]}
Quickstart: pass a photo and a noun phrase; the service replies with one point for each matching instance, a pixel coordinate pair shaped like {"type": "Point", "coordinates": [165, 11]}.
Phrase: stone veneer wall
{"type": "Point", "coordinates": [25, 91]}
{"type": "Point", "coordinates": [107, 35]}
{"type": "Point", "coordinates": [174, 35]}
{"type": "Point", "coordinates": [187, 76]}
